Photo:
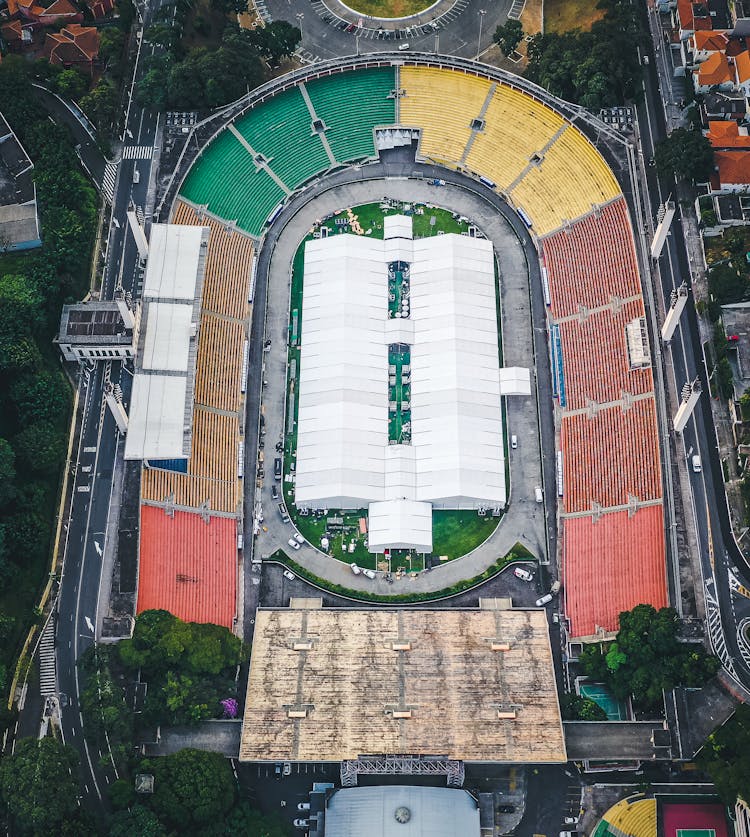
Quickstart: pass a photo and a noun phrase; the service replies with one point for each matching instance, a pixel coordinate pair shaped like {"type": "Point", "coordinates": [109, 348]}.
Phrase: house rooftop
{"type": "Point", "coordinates": [726, 133]}
{"type": "Point", "coordinates": [714, 70]}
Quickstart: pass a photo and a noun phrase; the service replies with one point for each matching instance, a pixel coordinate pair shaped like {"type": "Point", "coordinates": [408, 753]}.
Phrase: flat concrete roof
{"type": "Point", "coordinates": [333, 684]}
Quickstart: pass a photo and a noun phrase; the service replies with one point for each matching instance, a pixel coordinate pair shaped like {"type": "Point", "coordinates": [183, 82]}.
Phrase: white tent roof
{"type": "Point", "coordinates": [174, 251]}
{"type": "Point", "coordinates": [400, 524]}
{"type": "Point", "coordinates": [156, 425]}
{"type": "Point", "coordinates": [456, 456]}
{"type": "Point", "coordinates": [161, 404]}
{"type": "Point", "coordinates": [397, 226]}
{"type": "Point", "coordinates": [515, 380]}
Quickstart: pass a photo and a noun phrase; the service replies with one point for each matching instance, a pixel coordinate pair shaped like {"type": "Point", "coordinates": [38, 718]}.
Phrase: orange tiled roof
{"type": "Point", "coordinates": [714, 70]}
{"type": "Point", "coordinates": [726, 134]}
{"type": "Point", "coordinates": [12, 31]}
{"type": "Point", "coordinates": [691, 16]}
{"type": "Point", "coordinates": [61, 7]}
{"type": "Point", "coordinates": [710, 40]}
{"type": "Point", "coordinates": [73, 44]}
{"type": "Point", "coordinates": [188, 567]}
{"type": "Point", "coordinates": [742, 63]}
{"type": "Point", "coordinates": [734, 166]}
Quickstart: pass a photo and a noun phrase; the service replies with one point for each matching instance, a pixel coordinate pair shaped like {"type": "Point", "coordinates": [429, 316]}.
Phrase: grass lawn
{"type": "Point", "coordinates": [454, 532]}
{"type": "Point", "coordinates": [389, 8]}
{"type": "Point", "coordinates": [565, 15]}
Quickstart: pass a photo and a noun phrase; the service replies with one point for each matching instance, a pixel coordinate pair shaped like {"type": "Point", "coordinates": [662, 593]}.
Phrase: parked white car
{"type": "Point", "coordinates": [355, 569]}
{"type": "Point", "coordinates": [369, 573]}
{"type": "Point", "coordinates": [293, 543]}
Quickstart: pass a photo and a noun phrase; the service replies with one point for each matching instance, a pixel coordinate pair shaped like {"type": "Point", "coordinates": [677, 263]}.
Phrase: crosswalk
{"type": "Point", "coordinates": [47, 666]}
{"type": "Point", "coordinates": [109, 180]}
{"type": "Point", "coordinates": [137, 152]}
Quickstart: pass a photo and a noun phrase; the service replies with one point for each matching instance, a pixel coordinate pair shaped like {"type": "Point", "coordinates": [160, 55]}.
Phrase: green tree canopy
{"type": "Point", "coordinates": [7, 472]}
{"type": "Point", "coordinates": [138, 821]}
{"type": "Point", "coordinates": [192, 789]}
{"type": "Point", "coordinates": [686, 154]}
{"type": "Point", "coordinates": [508, 36]}
{"type": "Point", "coordinates": [647, 657]}
{"type": "Point", "coordinates": [71, 84]}
{"type": "Point", "coordinates": [41, 447]}
{"type": "Point", "coordinates": [38, 784]}
{"type": "Point", "coordinates": [726, 756]}
{"type": "Point", "coordinates": [43, 396]}
{"type": "Point", "coordinates": [20, 315]}
{"type": "Point", "coordinates": [577, 708]}
{"type": "Point", "coordinates": [101, 105]}
{"type": "Point", "coordinates": [276, 40]}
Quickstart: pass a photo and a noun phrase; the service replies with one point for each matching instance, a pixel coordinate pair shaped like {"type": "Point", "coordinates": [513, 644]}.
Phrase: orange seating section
{"type": "Point", "coordinates": [188, 566]}
{"type": "Point", "coordinates": [612, 565]}
{"type": "Point", "coordinates": [611, 457]}
{"type": "Point", "coordinates": [592, 261]}
{"type": "Point", "coordinates": [595, 354]}
{"type": "Point", "coordinates": [613, 558]}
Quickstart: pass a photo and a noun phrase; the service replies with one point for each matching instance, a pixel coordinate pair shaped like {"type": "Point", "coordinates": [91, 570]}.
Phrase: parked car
{"type": "Point", "coordinates": [299, 823]}
{"type": "Point", "coordinates": [571, 820]}
{"type": "Point", "coordinates": [274, 492]}
{"type": "Point", "coordinates": [287, 768]}
{"type": "Point", "coordinates": [277, 468]}
{"type": "Point", "coordinates": [514, 442]}
{"type": "Point", "coordinates": [368, 573]}
{"type": "Point", "coordinates": [303, 806]}
{"type": "Point", "coordinates": [293, 543]}
{"type": "Point", "coordinates": [523, 574]}
{"type": "Point", "coordinates": [277, 771]}
{"type": "Point", "coordinates": [506, 809]}
{"type": "Point", "coordinates": [290, 575]}
{"type": "Point", "coordinates": [299, 538]}
{"type": "Point", "coordinates": [546, 599]}
{"type": "Point", "coordinates": [733, 338]}
{"type": "Point", "coordinates": [355, 569]}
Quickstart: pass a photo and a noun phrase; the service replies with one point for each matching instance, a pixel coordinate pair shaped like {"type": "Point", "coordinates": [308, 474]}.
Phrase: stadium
{"type": "Point", "coordinates": [558, 184]}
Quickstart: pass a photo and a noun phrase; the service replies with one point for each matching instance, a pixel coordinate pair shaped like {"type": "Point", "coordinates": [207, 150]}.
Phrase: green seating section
{"type": "Point", "coordinates": [351, 104]}
{"type": "Point", "coordinates": [281, 130]}
{"type": "Point", "coordinates": [225, 179]}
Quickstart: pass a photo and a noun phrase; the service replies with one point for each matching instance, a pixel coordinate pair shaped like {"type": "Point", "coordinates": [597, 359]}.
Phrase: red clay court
{"type": "Point", "coordinates": [694, 820]}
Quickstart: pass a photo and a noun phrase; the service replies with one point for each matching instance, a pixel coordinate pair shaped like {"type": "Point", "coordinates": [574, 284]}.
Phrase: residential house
{"type": "Point", "coordinates": [732, 171]}
{"type": "Point", "coordinates": [100, 8]}
{"type": "Point", "coordinates": [715, 73]}
{"type": "Point", "coordinates": [74, 46]}
{"type": "Point", "coordinates": [727, 134]}
{"type": "Point", "coordinates": [703, 44]}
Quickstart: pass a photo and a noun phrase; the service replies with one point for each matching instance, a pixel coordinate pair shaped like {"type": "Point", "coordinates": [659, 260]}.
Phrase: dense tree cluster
{"type": "Point", "coordinates": [35, 398]}
{"type": "Point", "coordinates": [577, 708]}
{"type": "Point", "coordinates": [508, 36]}
{"type": "Point", "coordinates": [685, 154]}
{"type": "Point", "coordinates": [596, 69]}
{"type": "Point", "coordinates": [206, 77]}
{"type": "Point", "coordinates": [726, 756]}
{"type": "Point", "coordinates": [190, 667]}
{"type": "Point", "coordinates": [647, 658]}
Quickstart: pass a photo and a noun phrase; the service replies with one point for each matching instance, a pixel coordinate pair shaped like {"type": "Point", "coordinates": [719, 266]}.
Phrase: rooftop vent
{"type": "Point", "coordinates": [401, 646]}
{"type": "Point", "coordinates": [506, 714]}
{"type": "Point", "coordinates": [297, 713]}
{"type": "Point", "coordinates": [500, 646]}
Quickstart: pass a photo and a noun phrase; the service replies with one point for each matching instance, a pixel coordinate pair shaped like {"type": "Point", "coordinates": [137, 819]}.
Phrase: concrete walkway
{"type": "Point", "coordinates": [524, 520]}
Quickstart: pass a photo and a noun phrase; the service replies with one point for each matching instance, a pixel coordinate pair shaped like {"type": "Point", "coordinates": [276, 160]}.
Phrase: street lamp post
{"type": "Point", "coordinates": [482, 13]}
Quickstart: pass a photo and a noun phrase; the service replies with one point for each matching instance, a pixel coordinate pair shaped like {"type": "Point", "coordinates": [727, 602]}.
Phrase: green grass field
{"type": "Point", "coordinates": [565, 15]}
{"type": "Point", "coordinates": [389, 8]}
{"type": "Point", "coordinates": [454, 532]}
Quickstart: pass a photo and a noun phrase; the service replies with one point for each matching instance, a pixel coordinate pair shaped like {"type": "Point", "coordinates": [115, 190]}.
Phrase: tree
{"type": "Point", "coordinates": [192, 789]}
{"type": "Point", "coordinates": [20, 305]}
{"type": "Point", "coordinates": [508, 36]}
{"type": "Point", "coordinates": [647, 657]}
{"type": "Point", "coordinates": [41, 447]}
{"type": "Point", "coordinates": [686, 154]}
{"type": "Point", "coordinates": [38, 785]}
{"type": "Point", "coordinates": [7, 473]}
{"type": "Point", "coordinates": [71, 84]}
{"type": "Point", "coordinates": [726, 756]}
{"type": "Point", "coordinates": [243, 819]}
{"type": "Point", "coordinates": [578, 708]}
{"type": "Point", "coordinates": [276, 40]}
{"type": "Point", "coordinates": [138, 820]}
{"type": "Point", "coordinates": [727, 283]}
{"type": "Point", "coordinates": [43, 396]}
{"type": "Point", "coordinates": [101, 106]}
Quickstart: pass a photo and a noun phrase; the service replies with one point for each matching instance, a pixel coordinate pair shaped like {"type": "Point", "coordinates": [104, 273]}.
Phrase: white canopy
{"type": "Point", "coordinates": [515, 380]}
{"type": "Point", "coordinates": [400, 524]}
{"type": "Point", "coordinates": [456, 456]}
{"type": "Point", "coordinates": [162, 400]}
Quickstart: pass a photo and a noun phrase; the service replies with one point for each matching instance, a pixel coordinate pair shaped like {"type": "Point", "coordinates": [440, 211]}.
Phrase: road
{"type": "Point", "coordinates": [86, 529]}
{"type": "Point", "coordinates": [710, 534]}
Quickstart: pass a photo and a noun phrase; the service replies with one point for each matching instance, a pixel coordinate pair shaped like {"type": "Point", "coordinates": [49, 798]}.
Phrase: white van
{"type": "Point", "coordinates": [697, 467]}
{"type": "Point", "coordinates": [538, 496]}
{"type": "Point", "coordinates": [403, 47]}
{"type": "Point", "coordinates": [514, 442]}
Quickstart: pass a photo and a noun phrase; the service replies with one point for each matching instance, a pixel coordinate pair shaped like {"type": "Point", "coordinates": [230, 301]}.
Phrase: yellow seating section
{"type": "Point", "coordinates": [443, 104]}
{"type": "Point", "coordinates": [636, 818]}
{"type": "Point", "coordinates": [218, 367]}
{"type": "Point", "coordinates": [516, 127]}
{"type": "Point", "coordinates": [571, 179]}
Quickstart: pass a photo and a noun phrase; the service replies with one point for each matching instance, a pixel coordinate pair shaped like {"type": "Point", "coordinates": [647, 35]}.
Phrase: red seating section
{"type": "Point", "coordinates": [613, 559]}
{"type": "Point", "coordinates": [611, 457]}
{"type": "Point", "coordinates": [594, 260]}
{"type": "Point", "coordinates": [187, 566]}
{"type": "Point", "coordinates": [612, 565]}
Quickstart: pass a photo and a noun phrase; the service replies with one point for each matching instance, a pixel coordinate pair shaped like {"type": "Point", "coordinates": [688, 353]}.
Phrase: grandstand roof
{"type": "Point", "coordinates": [188, 566]}
{"type": "Point", "coordinates": [159, 424]}
{"type": "Point", "coordinates": [371, 812]}
{"type": "Point", "coordinates": [328, 684]}
{"type": "Point", "coordinates": [344, 459]}
{"type": "Point", "coordinates": [400, 524]}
